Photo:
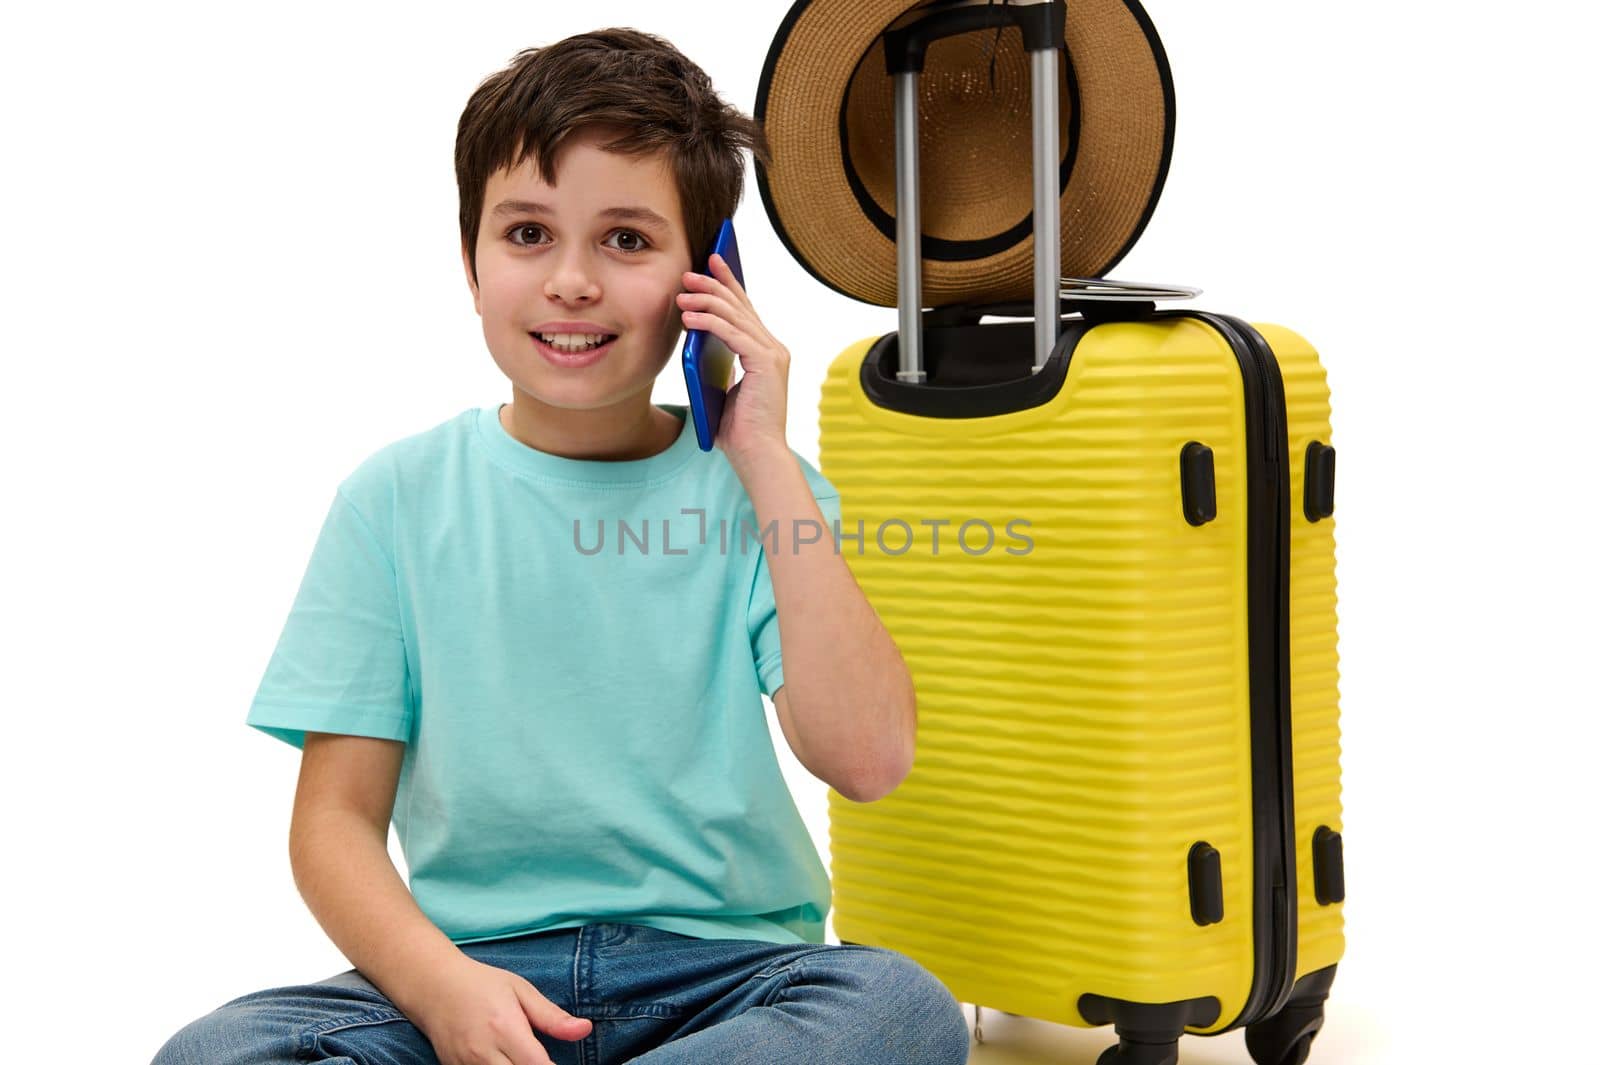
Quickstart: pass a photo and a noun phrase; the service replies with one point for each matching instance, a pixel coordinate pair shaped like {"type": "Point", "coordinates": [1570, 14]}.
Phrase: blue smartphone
{"type": "Point", "coordinates": [707, 361]}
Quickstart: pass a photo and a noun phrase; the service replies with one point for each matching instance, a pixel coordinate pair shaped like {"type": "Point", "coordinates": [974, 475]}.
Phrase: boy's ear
{"type": "Point", "coordinates": [466, 265]}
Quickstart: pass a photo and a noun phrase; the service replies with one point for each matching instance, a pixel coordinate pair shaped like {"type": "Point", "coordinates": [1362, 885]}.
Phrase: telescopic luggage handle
{"type": "Point", "coordinates": [1043, 26]}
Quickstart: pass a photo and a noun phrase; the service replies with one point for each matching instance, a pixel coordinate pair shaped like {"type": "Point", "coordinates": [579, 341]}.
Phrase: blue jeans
{"type": "Point", "coordinates": [654, 997]}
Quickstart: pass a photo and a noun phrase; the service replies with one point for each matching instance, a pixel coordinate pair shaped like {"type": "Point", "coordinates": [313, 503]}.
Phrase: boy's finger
{"type": "Point", "coordinates": [738, 341]}
{"type": "Point", "coordinates": [714, 304]}
{"type": "Point", "coordinates": [717, 262]}
{"type": "Point", "coordinates": [695, 282]}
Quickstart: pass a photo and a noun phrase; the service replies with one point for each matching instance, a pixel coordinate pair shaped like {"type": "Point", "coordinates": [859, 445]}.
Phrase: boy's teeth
{"type": "Point", "coordinates": [572, 341]}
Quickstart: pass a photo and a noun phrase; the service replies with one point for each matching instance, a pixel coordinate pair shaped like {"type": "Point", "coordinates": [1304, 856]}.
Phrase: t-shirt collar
{"type": "Point", "coordinates": [512, 453]}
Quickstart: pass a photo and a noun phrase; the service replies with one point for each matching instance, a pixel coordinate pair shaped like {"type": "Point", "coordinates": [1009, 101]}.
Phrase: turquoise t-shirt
{"type": "Point", "coordinates": [574, 652]}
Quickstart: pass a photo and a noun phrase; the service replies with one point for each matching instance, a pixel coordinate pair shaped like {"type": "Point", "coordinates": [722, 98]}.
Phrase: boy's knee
{"type": "Point", "coordinates": [227, 1035]}
{"type": "Point", "coordinates": [183, 1048]}
{"type": "Point", "coordinates": [925, 1007]}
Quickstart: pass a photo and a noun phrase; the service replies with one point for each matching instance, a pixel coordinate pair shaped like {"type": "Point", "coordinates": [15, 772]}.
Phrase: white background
{"type": "Point", "coordinates": [231, 272]}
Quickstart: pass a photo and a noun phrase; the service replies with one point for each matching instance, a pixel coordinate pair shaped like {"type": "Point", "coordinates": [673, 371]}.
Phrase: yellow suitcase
{"type": "Point", "coordinates": [1104, 544]}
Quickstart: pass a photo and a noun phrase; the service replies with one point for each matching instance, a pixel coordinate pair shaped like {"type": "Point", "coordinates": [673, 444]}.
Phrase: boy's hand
{"type": "Point", "coordinates": [477, 1013]}
{"type": "Point", "coordinates": [757, 408]}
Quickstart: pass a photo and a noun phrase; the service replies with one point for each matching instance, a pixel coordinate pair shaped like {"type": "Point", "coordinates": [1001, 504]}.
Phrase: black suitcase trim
{"type": "Point", "coordinates": [1271, 736]}
{"type": "Point", "coordinates": [978, 371]}
{"type": "Point", "coordinates": [974, 371]}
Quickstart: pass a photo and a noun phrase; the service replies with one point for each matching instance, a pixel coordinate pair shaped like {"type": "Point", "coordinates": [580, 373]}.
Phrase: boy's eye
{"type": "Point", "coordinates": [518, 230]}
{"type": "Point", "coordinates": [640, 244]}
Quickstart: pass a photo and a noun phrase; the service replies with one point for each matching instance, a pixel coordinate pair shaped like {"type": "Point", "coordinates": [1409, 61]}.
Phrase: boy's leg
{"type": "Point", "coordinates": [658, 998]}
{"type": "Point", "coordinates": [346, 1020]}
{"type": "Point", "coordinates": [300, 1023]}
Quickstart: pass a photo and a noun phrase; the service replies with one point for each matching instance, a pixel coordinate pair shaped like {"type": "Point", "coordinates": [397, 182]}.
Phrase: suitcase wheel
{"type": "Point", "coordinates": [1294, 1054]}
{"type": "Point", "coordinates": [1126, 1053]}
{"type": "Point", "coordinates": [1285, 1037]}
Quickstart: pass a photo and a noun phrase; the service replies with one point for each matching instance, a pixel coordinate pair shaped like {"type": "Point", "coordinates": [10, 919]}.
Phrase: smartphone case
{"type": "Point", "coordinates": [708, 364]}
{"type": "Point", "coordinates": [1111, 572]}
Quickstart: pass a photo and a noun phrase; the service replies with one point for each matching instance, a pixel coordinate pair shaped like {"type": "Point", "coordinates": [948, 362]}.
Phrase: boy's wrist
{"type": "Point", "coordinates": [760, 459]}
{"type": "Point", "coordinates": [413, 989]}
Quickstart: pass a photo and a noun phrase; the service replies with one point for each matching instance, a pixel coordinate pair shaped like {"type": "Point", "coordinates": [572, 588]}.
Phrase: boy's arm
{"type": "Point", "coordinates": [848, 705]}
{"type": "Point", "coordinates": [338, 851]}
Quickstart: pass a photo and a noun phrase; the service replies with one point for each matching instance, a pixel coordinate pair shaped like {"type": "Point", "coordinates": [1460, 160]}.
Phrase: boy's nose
{"type": "Point", "coordinates": [572, 287]}
{"type": "Point", "coordinates": [571, 280]}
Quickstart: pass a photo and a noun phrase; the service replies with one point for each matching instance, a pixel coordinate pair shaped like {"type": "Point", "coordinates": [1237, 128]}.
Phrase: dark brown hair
{"type": "Point", "coordinates": [623, 79]}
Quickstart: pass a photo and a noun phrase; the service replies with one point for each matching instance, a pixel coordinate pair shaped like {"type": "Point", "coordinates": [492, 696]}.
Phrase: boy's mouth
{"type": "Point", "coordinates": [575, 343]}
{"type": "Point", "coordinates": [574, 349]}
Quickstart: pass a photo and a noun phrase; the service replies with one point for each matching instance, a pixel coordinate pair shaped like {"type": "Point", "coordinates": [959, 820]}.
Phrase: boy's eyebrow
{"type": "Point", "coordinates": [625, 214]}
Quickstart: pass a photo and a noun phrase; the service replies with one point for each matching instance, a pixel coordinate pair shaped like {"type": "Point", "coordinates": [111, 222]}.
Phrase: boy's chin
{"type": "Point", "coordinates": [582, 395]}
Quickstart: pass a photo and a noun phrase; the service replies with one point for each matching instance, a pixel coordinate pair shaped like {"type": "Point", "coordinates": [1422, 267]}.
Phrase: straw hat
{"type": "Point", "coordinates": [826, 102]}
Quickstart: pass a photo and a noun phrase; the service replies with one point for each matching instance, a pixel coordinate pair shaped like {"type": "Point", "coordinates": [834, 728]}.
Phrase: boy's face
{"type": "Point", "coordinates": [567, 260]}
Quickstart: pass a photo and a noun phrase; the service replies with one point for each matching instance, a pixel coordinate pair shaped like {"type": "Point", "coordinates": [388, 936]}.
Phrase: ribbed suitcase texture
{"type": "Point", "coordinates": [1082, 669]}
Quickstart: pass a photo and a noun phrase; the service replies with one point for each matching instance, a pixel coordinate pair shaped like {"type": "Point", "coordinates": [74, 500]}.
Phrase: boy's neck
{"type": "Point", "coordinates": [618, 434]}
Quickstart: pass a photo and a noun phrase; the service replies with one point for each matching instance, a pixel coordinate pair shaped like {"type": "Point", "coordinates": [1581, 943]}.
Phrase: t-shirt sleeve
{"type": "Point", "coordinates": [763, 613]}
{"type": "Point", "coordinates": [340, 662]}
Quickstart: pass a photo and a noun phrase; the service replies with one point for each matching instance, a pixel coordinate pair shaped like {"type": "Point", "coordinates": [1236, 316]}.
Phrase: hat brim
{"type": "Point", "coordinates": [825, 102]}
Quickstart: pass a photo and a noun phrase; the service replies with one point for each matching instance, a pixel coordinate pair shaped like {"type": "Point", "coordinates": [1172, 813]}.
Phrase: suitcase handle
{"type": "Point", "coordinates": [1103, 288]}
{"type": "Point", "coordinates": [1043, 25]}
{"type": "Point", "coordinates": [963, 314]}
{"type": "Point", "coordinates": [905, 48]}
{"type": "Point", "coordinates": [1096, 299]}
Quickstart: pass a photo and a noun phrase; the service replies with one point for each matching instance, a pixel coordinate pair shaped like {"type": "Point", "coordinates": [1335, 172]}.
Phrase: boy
{"type": "Point", "coordinates": [568, 732]}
